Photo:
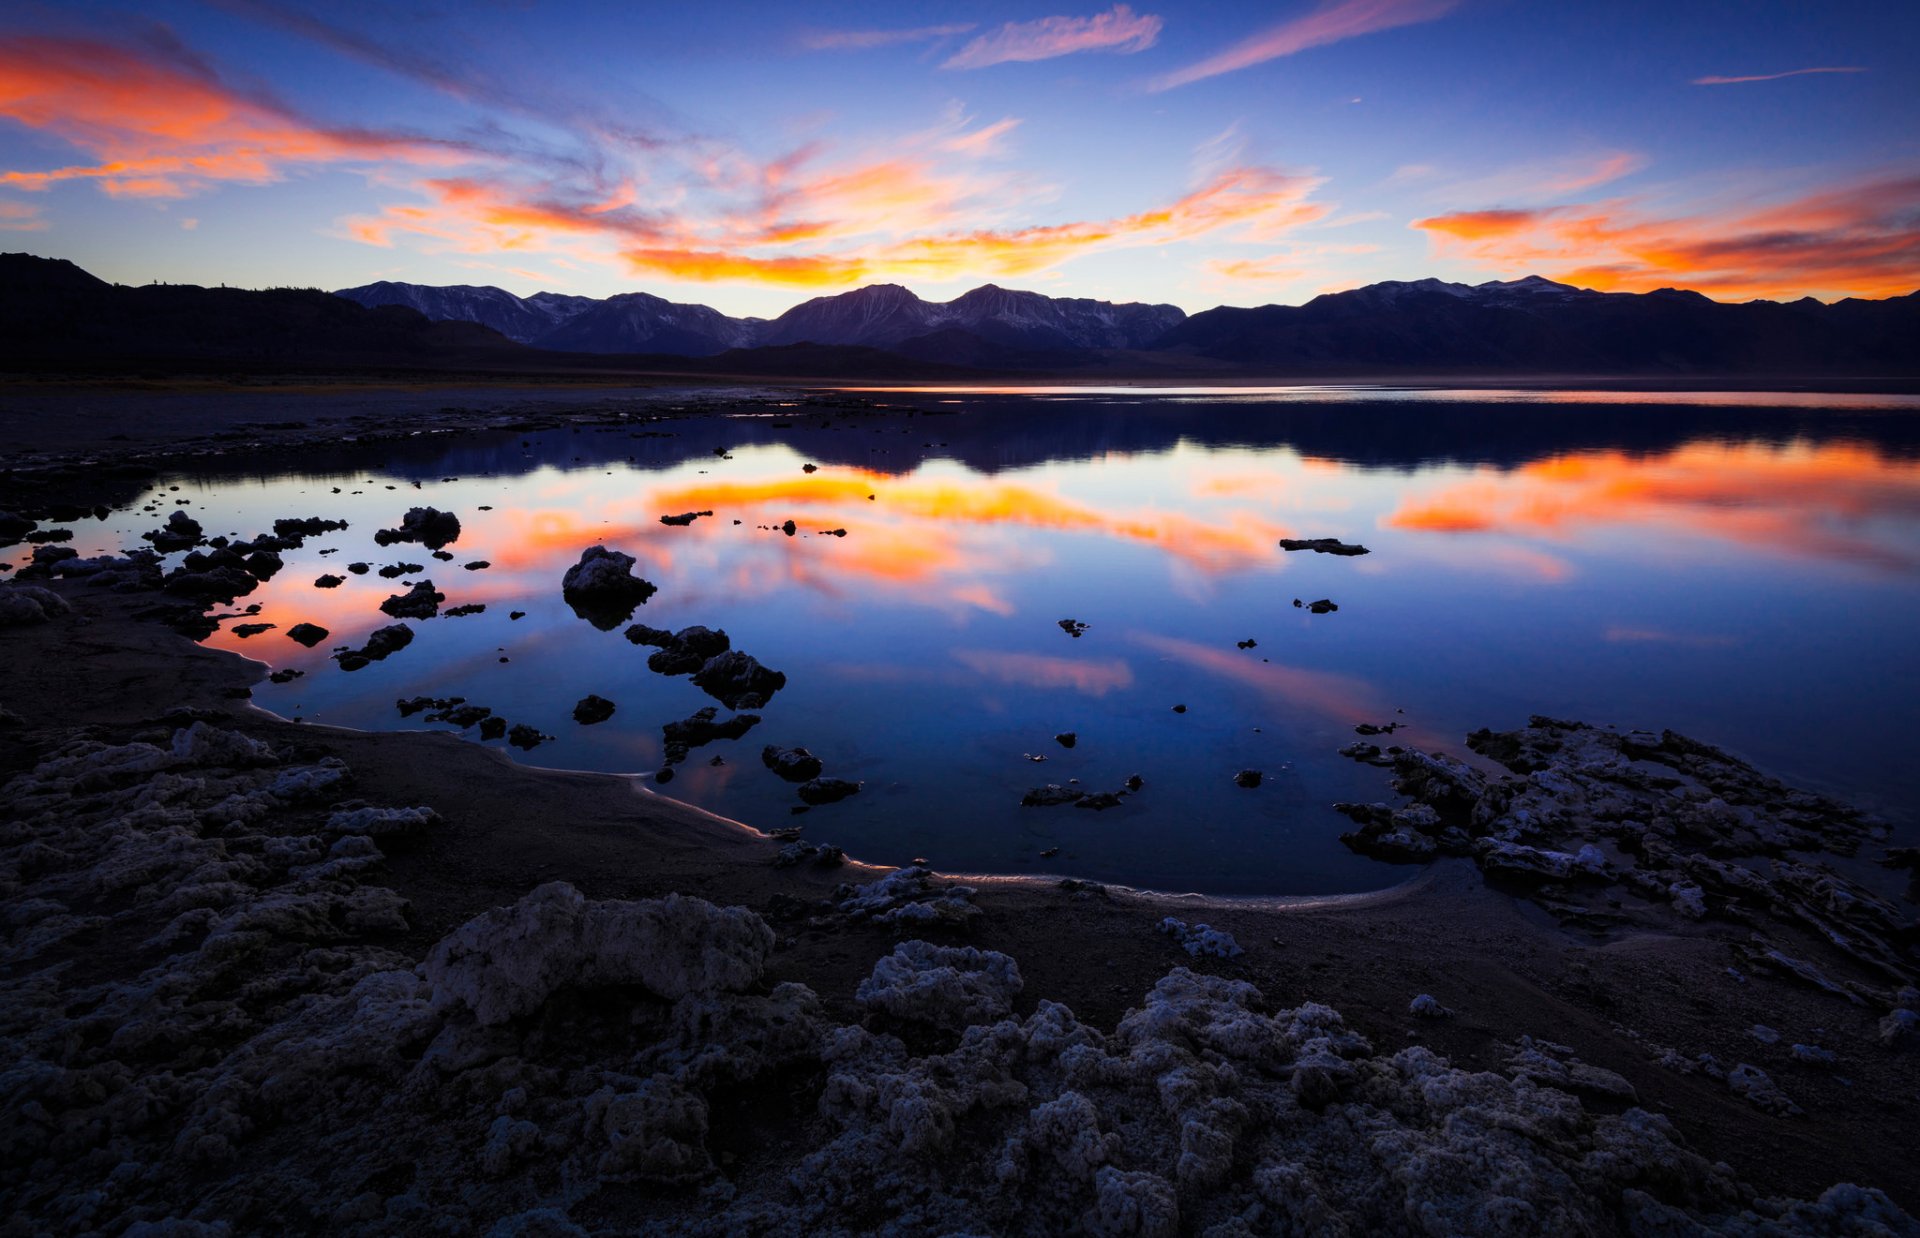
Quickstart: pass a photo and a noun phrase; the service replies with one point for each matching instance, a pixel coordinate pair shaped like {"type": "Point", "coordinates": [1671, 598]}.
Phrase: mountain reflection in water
{"type": "Point", "coordinates": [1742, 573]}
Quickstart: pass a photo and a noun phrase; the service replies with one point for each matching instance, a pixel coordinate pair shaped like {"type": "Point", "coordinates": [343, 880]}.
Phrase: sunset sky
{"type": "Point", "coordinates": [750, 156]}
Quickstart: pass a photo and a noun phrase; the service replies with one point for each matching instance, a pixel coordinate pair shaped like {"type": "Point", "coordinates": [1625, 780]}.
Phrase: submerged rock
{"type": "Point", "coordinates": [738, 681]}
{"type": "Point", "coordinates": [816, 791]}
{"type": "Point", "coordinates": [381, 644]}
{"type": "Point", "coordinates": [682, 652]}
{"type": "Point", "coordinates": [592, 709]}
{"type": "Point", "coordinates": [1322, 545]}
{"type": "Point", "coordinates": [699, 729]}
{"type": "Point", "coordinates": [602, 589]}
{"type": "Point", "coordinates": [180, 532]}
{"type": "Point", "coordinates": [792, 764]}
{"type": "Point", "coordinates": [420, 602]}
{"type": "Point", "coordinates": [429, 526]}
{"type": "Point", "coordinates": [525, 737]}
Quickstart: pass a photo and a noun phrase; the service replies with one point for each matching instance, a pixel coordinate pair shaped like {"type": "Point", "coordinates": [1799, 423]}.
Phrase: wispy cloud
{"type": "Point", "coordinates": [1247, 203]}
{"type": "Point", "coordinates": [1119, 29]}
{"type": "Point", "coordinates": [863, 40]}
{"type": "Point", "coordinates": [931, 204]}
{"type": "Point", "coordinates": [1856, 240]}
{"type": "Point", "coordinates": [166, 127]}
{"type": "Point", "coordinates": [1332, 22]}
{"type": "Point", "coordinates": [21, 217]}
{"type": "Point", "coordinates": [1774, 77]}
{"type": "Point", "coordinates": [1540, 181]}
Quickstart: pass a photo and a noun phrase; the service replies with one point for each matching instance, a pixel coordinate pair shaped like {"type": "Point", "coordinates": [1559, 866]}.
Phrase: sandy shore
{"type": "Point", "coordinates": [1504, 968]}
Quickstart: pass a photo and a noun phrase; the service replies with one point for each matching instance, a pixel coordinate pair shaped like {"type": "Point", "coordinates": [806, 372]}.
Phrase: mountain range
{"type": "Point", "coordinates": [55, 315]}
{"type": "Point", "coordinates": [877, 316]}
{"type": "Point", "coordinates": [1530, 324]}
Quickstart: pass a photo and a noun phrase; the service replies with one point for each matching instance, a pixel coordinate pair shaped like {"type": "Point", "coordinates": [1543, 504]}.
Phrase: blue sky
{"type": "Point", "coordinates": [749, 156]}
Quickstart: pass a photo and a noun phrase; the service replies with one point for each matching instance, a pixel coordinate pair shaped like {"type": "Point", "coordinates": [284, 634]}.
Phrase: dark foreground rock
{"type": "Point", "coordinates": [564, 1061]}
{"type": "Point", "coordinates": [1607, 828]}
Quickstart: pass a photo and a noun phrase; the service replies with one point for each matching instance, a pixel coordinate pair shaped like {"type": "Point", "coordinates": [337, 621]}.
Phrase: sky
{"type": "Point", "coordinates": [750, 156]}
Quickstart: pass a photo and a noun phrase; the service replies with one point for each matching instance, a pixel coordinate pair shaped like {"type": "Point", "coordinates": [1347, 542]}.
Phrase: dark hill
{"type": "Point", "coordinates": [1535, 326]}
{"type": "Point", "coordinates": [52, 311]}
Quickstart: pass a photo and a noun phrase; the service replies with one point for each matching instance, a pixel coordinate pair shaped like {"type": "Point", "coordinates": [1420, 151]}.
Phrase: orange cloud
{"type": "Point", "coordinates": [1119, 29]}
{"type": "Point", "coordinates": [1800, 500]}
{"type": "Point", "coordinates": [1259, 203]}
{"type": "Point", "coordinates": [1481, 225]}
{"type": "Point", "coordinates": [1332, 22]}
{"type": "Point", "coordinates": [165, 130]}
{"type": "Point", "coordinates": [1280, 269]}
{"type": "Point", "coordinates": [1861, 240]}
{"type": "Point", "coordinates": [1087, 677]}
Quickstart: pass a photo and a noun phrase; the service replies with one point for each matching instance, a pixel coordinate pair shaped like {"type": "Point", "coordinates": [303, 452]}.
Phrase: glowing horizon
{"type": "Point", "coordinates": [1123, 152]}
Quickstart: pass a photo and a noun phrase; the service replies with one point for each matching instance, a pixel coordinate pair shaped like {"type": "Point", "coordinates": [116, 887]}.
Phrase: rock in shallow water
{"type": "Point", "coordinates": [602, 589]}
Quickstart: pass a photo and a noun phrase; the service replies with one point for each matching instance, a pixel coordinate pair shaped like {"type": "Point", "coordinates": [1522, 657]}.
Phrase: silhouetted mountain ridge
{"type": "Point", "coordinates": [51, 310]}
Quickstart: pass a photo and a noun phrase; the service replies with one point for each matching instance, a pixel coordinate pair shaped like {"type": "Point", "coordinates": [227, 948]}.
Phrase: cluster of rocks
{"type": "Point", "coordinates": [797, 765]}
{"type": "Point", "coordinates": [1054, 794]}
{"type": "Point", "coordinates": [561, 1061]}
{"type": "Point", "coordinates": [458, 711]}
{"type": "Point", "coordinates": [699, 729]}
{"type": "Point", "coordinates": [381, 643]}
{"type": "Point", "coordinates": [1603, 827]}
{"type": "Point", "coordinates": [1199, 939]}
{"type": "Point", "coordinates": [913, 898]}
{"type": "Point", "coordinates": [735, 679]}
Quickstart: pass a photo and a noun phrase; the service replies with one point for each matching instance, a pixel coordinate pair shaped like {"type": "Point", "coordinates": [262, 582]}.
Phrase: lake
{"type": "Point", "coordinates": [1740, 567]}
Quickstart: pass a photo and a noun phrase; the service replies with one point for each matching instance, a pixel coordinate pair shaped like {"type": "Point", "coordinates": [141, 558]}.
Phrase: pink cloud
{"type": "Point", "coordinates": [863, 40]}
{"type": "Point", "coordinates": [1774, 77]}
{"type": "Point", "coordinates": [1332, 22]}
{"type": "Point", "coordinates": [1119, 29]}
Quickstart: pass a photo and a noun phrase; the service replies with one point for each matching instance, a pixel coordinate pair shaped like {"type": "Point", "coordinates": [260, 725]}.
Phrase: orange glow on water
{"type": "Point", "coordinates": [1801, 500]}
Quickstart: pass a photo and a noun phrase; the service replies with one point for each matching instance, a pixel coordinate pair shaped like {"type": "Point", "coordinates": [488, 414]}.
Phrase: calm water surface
{"type": "Point", "coordinates": [1744, 568]}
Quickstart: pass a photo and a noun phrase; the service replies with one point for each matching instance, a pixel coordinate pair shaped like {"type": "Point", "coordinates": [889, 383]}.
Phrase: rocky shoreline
{"type": "Point", "coordinates": [263, 976]}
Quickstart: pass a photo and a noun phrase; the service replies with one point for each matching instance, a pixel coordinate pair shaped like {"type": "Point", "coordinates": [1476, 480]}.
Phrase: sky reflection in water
{"type": "Point", "coordinates": [1748, 584]}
